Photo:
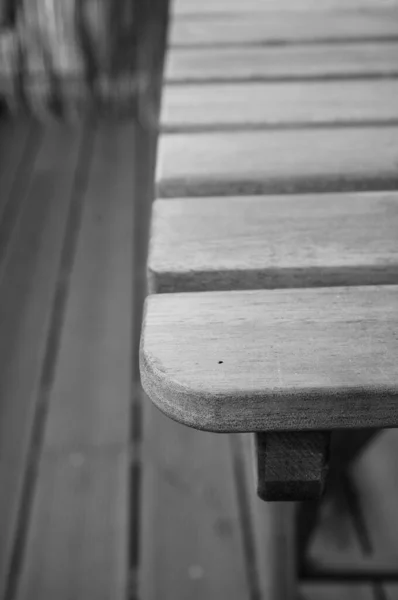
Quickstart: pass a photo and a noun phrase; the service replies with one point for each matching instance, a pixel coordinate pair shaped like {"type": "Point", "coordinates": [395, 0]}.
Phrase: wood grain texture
{"type": "Point", "coordinates": [273, 360]}
{"type": "Point", "coordinates": [291, 466]}
{"type": "Point", "coordinates": [78, 536]}
{"type": "Point", "coordinates": [191, 533]}
{"type": "Point", "coordinates": [256, 242]}
{"type": "Point", "coordinates": [282, 63]}
{"type": "Point", "coordinates": [260, 105]}
{"type": "Point", "coordinates": [243, 163]}
{"type": "Point", "coordinates": [28, 281]}
{"type": "Point", "coordinates": [95, 354]}
{"type": "Point", "coordinates": [276, 28]}
{"type": "Point", "coordinates": [80, 512]}
{"type": "Point", "coordinates": [199, 7]}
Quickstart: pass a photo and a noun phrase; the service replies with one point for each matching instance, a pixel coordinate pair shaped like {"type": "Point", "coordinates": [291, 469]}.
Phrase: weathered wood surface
{"type": "Point", "coordinates": [77, 539]}
{"type": "Point", "coordinates": [274, 360]}
{"type": "Point", "coordinates": [211, 7]}
{"type": "Point", "coordinates": [242, 163]}
{"type": "Point", "coordinates": [191, 526]}
{"type": "Point", "coordinates": [65, 57]}
{"type": "Point", "coordinates": [282, 63]}
{"type": "Point", "coordinates": [278, 28]}
{"type": "Point", "coordinates": [255, 242]}
{"type": "Point", "coordinates": [197, 107]}
{"type": "Point", "coordinates": [29, 271]}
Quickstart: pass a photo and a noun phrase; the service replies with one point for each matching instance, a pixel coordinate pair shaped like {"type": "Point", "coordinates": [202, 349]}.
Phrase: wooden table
{"type": "Point", "coordinates": [277, 172]}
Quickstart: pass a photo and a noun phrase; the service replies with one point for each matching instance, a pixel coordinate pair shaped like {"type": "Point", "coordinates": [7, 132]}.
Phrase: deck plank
{"type": "Point", "coordinates": [78, 538]}
{"type": "Point", "coordinates": [29, 274]}
{"type": "Point", "coordinates": [191, 531]}
{"type": "Point", "coordinates": [193, 8]}
{"type": "Point", "coordinates": [211, 7]}
{"type": "Point", "coordinates": [301, 27]}
{"type": "Point", "coordinates": [265, 242]}
{"type": "Point", "coordinates": [83, 476]}
{"type": "Point", "coordinates": [200, 359]}
{"type": "Point", "coordinates": [282, 63]}
{"type": "Point", "coordinates": [244, 163]}
{"type": "Point", "coordinates": [292, 104]}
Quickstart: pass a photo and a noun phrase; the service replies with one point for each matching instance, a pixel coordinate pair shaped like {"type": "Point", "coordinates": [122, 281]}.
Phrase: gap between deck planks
{"type": "Point", "coordinates": [282, 63]}
{"type": "Point", "coordinates": [195, 107]}
{"type": "Point", "coordinates": [77, 534]}
{"type": "Point", "coordinates": [273, 28]}
{"type": "Point", "coordinates": [29, 269]}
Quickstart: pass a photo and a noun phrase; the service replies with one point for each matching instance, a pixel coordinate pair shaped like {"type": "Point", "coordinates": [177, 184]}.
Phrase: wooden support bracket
{"type": "Point", "coordinates": [291, 466]}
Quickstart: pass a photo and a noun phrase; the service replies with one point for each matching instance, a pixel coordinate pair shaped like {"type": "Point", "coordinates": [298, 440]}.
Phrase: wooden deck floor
{"type": "Point", "coordinates": [101, 496]}
{"type": "Point", "coordinates": [95, 501]}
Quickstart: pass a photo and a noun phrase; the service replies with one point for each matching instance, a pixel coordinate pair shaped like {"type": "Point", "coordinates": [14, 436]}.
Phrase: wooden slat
{"type": "Point", "coordinates": [94, 360]}
{"type": "Point", "coordinates": [27, 292]}
{"type": "Point", "coordinates": [191, 531]}
{"type": "Point", "coordinates": [256, 242]}
{"type": "Point", "coordinates": [276, 28]}
{"type": "Point", "coordinates": [198, 7]}
{"type": "Point", "coordinates": [274, 360]}
{"type": "Point", "coordinates": [322, 61]}
{"type": "Point", "coordinates": [277, 161]}
{"type": "Point", "coordinates": [82, 500]}
{"type": "Point", "coordinates": [78, 538]}
{"type": "Point", "coordinates": [198, 107]}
